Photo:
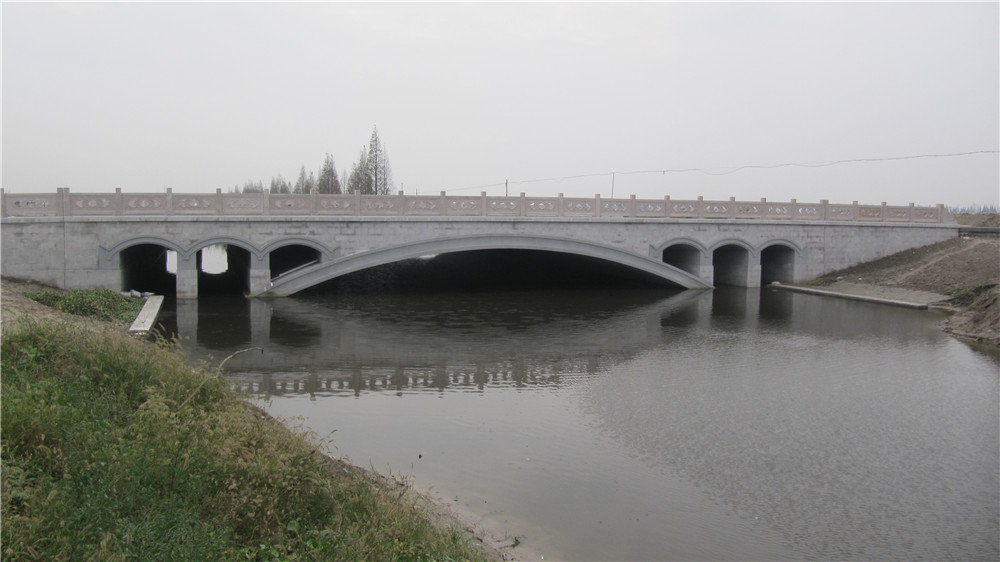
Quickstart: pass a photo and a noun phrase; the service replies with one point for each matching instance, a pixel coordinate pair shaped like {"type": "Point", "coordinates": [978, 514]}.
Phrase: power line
{"type": "Point", "coordinates": [726, 170]}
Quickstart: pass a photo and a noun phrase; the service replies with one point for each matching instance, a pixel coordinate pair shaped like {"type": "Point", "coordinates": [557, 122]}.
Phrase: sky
{"type": "Point", "coordinates": [868, 102]}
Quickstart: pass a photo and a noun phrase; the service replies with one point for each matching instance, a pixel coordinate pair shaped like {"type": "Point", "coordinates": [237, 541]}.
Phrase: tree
{"type": "Point", "coordinates": [378, 165]}
{"type": "Point", "coordinates": [360, 180]}
{"type": "Point", "coordinates": [328, 181]}
{"type": "Point", "coordinates": [280, 185]}
{"type": "Point", "coordinates": [304, 184]}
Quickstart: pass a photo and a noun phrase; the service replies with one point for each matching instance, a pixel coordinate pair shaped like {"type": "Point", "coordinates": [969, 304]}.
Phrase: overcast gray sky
{"type": "Point", "coordinates": [466, 96]}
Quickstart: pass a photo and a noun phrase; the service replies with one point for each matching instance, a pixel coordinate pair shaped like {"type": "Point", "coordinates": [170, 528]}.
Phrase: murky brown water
{"type": "Point", "coordinates": [723, 425]}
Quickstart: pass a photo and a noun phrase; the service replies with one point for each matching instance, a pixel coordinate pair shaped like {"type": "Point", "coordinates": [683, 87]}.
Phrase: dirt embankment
{"type": "Point", "coordinates": [961, 274]}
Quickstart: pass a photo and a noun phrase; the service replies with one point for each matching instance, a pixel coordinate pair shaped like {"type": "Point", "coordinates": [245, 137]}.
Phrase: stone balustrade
{"type": "Point", "coordinates": [63, 203]}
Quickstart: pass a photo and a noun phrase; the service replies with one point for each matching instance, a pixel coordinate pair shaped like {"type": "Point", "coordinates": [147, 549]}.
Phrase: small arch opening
{"type": "Point", "coordinates": [777, 263]}
{"type": "Point", "coordinates": [684, 257]}
{"type": "Point", "coordinates": [146, 268]}
{"type": "Point", "coordinates": [223, 269]}
{"type": "Point", "coordinates": [731, 265]}
{"type": "Point", "coordinates": [286, 259]}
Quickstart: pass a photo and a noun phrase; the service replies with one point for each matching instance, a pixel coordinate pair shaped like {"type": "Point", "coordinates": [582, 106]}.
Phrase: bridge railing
{"type": "Point", "coordinates": [66, 204]}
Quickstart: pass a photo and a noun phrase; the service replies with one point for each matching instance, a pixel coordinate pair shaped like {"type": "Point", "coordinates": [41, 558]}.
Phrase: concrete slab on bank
{"type": "Point", "coordinates": [146, 319]}
{"type": "Point", "coordinates": [913, 299]}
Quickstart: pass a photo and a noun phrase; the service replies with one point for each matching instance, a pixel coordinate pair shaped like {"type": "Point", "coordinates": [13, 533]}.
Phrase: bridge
{"type": "Point", "coordinates": [279, 244]}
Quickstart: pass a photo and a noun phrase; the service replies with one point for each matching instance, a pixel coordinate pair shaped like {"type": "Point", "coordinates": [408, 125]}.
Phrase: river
{"type": "Point", "coordinates": [731, 424]}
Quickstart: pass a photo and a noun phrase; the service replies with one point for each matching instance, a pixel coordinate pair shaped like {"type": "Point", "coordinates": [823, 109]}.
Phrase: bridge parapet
{"type": "Point", "coordinates": [66, 204]}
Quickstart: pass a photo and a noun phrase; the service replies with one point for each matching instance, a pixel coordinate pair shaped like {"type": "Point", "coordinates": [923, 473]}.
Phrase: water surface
{"type": "Point", "coordinates": [720, 425]}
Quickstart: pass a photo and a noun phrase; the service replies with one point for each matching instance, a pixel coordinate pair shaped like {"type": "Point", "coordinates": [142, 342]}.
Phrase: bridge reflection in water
{"type": "Point", "coordinates": [349, 346]}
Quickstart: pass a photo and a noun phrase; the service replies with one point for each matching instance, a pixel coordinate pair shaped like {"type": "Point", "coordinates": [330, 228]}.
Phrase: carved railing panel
{"type": "Point", "coordinates": [288, 204]}
{"type": "Point", "coordinates": [464, 206]}
{"type": "Point", "coordinates": [29, 205]}
{"type": "Point", "coordinates": [579, 207]}
{"type": "Point", "coordinates": [379, 205]}
{"type": "Point", "coordinates": [504, 206]}
{"type": "Point", "coordinates": [615, 207]}
{"type": "Point", "coordinates": [424, 205]}
{"type": "Point", "coordinates": [144, 204]}
{"type": "Point", "coordinates": [195, 203]}
{"type": "Point", "coordinates": [841, 212]}
{"type": "Point", "coordinates": [682, 209]}
{"type": "Point", "coordinates": [927, 214]}
{"type": "Point", "coordinates": [335, 204]}
{"type": "Point", "coordinates": [869, 213]}
{"type": "Point", "coordinates": [92, 205]}
{"type": "Point", "coordinates": [650, 208]}
{"type": "Point", "coordinates": [249, 204]}
{"type": "Point", "coordinates": [541, 207]}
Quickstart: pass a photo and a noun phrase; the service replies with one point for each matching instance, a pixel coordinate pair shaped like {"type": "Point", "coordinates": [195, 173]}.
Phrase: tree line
{"type": "Point", "coordinates": [370, 175]}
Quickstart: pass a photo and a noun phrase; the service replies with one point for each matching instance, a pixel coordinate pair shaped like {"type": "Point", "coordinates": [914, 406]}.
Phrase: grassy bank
{"type": "Point", "coordinates": [114, 448]}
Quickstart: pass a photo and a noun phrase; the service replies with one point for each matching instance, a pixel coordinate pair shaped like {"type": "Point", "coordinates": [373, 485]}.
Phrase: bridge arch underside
{"type": "Point", "coordinates": [489, 261]}
{"type": "Point", "coordinates": [144, 268]}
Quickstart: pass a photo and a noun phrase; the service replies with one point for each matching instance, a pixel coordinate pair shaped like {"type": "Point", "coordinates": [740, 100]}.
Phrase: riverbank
{"type": "Point", "coordinates": [960, 275]}
{"type": "Point", "coordinates": [114, 448]}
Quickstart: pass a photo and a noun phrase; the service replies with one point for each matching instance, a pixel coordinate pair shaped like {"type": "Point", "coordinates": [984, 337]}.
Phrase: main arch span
{"type": "Point", "coordinates": [321, 272]}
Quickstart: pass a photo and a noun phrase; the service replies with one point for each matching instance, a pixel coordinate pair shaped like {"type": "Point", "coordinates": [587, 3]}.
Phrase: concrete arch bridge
{"type": "Point", "coordinates": [277, 245]}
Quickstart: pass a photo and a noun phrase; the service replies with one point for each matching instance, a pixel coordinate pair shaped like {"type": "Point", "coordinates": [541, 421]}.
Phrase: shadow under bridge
{"type": "Point", "coordinates": [315, 274]}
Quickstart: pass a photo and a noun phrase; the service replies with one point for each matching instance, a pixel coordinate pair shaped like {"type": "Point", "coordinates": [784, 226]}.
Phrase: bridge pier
{"type": "Point", "coordinates": [187, 276]}
{"type": "Point", "coordinates": [260, 274]}
{"type": "Point", "coordinates": [187, 322]}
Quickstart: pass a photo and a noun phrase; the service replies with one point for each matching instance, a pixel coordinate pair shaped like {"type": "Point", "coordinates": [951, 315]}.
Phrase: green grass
{"type": "Point", "coordinates": [114, 448]}
{"type": "Point", "coordinates": [102, 304]}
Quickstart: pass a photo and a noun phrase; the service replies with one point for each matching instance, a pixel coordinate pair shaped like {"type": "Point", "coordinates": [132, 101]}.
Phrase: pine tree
{"type": "Point", "coordinates": [378, 165]}
{"type": "Point", "coordinates": [253, 187]}
{"type": "Point", "coordinates": [301, 184]}
{"type": "Point", "coordinates": [328, 181]}
{"type": "Point", "coordinates": [279, 185]}
{"type": "Point", "coordinates": [361, 177]}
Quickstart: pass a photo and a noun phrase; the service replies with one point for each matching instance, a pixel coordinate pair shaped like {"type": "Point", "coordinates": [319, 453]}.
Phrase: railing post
{"type": "Point", "coordinates": [64, 202]}
{"type": "Point", "coordinates": [940, 213]}
{"type": "Point", "coordinates": [402, 203]}
{"type": "Point", "coordinates": [631, 206]}
{"type": "Point", "coordinates": [312, 202]}
{"type": "Point", "coordinates": [444, 203]}
{"type": "Point", "coordinates": [561, 208]}
{"type": "Point", "coordinates": [524, 205]}
{"type": "Point", "coordinates": [825, 203]}
{"type": "Point", "coordinates": [3, 203]}
{"type": "Point", "coordinates": [597, 205]}
{"type": "Point", "coordinates": [701, 207]}
{"type": "Point", "coordinates": [118, 201]}
{"type": "Point", "coordinates": [666, 206]}
{"type": "Point", "coordinates": [482, 205]}
{"type": "Point", "coordinates": [218, 201]}
{"type": "Point", "coordinates": [170, 202]}
{"type": "Point", "coordinates": [910, 216]}
{"type": "Point", "coordinates": [265, 201]}
{"type": "Point", "coordinates": [883, 211]}
{"type": "Point", "coordinates": [732, 208]}
{"type": "Point", "coordinates": [357, 203]}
